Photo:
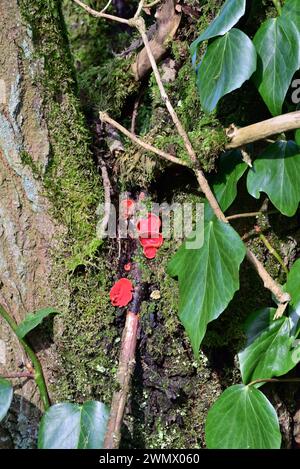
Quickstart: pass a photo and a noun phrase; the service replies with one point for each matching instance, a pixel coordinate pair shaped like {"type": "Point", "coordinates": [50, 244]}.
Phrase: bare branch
{"type": "Point", "coordinates": [262, 130]}
{"type": "Point", "coordinates": [268, 281]}
{"type": "Point", "coordinates": [100, 14]}
{"type": "Point", "coordinates": [125, 370]}
{"type": "Point", "coordinates": [167, 156]}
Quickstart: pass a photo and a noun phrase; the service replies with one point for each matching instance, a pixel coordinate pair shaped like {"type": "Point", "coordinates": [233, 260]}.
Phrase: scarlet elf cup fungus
{"type": "Point", "coordinates": [121, 292]}
{"type": "Point", "coordinates": [149, 236]}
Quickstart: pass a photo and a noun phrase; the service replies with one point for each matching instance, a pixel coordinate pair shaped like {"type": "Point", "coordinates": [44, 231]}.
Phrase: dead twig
{"type": "Point", "coordinates": [104, 117]}
{"type": "Point", "coordinates": [100, 14]}
{"type": "Point", "coordinates": [125, 370]}
{"type": "Point", "coordinates": [107, 198]}
{"type": "Point", "coordinates": [262, 130]}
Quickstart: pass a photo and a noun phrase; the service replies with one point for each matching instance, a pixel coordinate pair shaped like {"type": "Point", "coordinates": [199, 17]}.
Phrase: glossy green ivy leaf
{"type": "Point", "coordinates": [293, 288]}
{"type": "Point", "coordinates": [73, 426]}
{"type": "Point", "coordinates": [291, 11]}
{"type": "Point", "coordinates": [229, 15]}
{"type": "Point", "coordinates": [277, 44]}
{"type": "Point", "coordinates": [268, 351]}
{"type": "Point", "coordinates": [6, 395]}
{"type": "Point", "coordinates": [242, 418]}
{"type": "Point", "coordinates": [224, 185]}
{"type": "Point", "coordinates": [277, 173]}
{"type": "Point", "coordinates": [32, 320]}
{"type": "Point", "coordinates": [208, 277]}
{"type": "Point", "coordinates": [229, 61]}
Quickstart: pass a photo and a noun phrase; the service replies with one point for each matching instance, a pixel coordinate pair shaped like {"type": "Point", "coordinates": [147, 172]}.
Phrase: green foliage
{"type": "Point", "coordinates": [268, 351]}
{"type": "Point", "coordinates": [73, 426]}
{"type": "Point", "coordinates": [228, 62]}
{"type": "Point", "coordinates": [32, 320]}
{"type": "Point", "coordinates": [276, 172]}
{"type": "Point", "coordinates": [6, 395]}
{"type": "Point", "coordinates": [224, 184]}
{"type": "Point", "coordinates": [293, 288]}
{"type": "Point", "coordinates": [208, 277]}
{"type": "Point", "coordinates": [229, 15]}
{"type": "Point", "coordinates": [231, 59]}
{"type": "Point", "coordinates": [291, 11]}
{"type": "Point", "coordinates": [242, 418]}
{"type": "Point", "coordinates": [277, 44]}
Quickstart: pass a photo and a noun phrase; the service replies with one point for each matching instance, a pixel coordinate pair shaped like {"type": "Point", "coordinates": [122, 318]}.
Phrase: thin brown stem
{"type": "Point", "coordinates": [140, 25]}
{"type": "Point", "coordinates": [107, 199]}
{"type": "Point", "coordinates": [100, 14]}
{"type": "Point", "coordinates": [250, 214]}
{"type": "Point", "coordinates": [135, 112]}
{"type": "Point", "coordinates": [268, 281]}
{"type": "Point", "coordinates": [167, 156]}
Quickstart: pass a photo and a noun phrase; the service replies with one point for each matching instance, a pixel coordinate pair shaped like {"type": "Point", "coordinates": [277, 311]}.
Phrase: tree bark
{"type": "Point", "coordinates": [29, 234]}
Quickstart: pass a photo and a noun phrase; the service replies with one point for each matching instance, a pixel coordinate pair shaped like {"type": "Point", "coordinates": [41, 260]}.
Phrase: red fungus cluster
{"type": "Point", "coordinates": [149, 236]}
{"type": "Point", "coordinates": [121, 292]}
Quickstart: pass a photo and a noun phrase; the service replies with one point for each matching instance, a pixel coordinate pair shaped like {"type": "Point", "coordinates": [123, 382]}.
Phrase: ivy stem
{"type": "Point", "coordinates": [250, 214]}
{"type": "Point", "coordinates": [38, 371]}
{"type": "Point", "coordinates": [274, 252]}
{"type": "Point", "coordinates": [274, 380]}
{"type": "Point", "coordinates": [277, 6]}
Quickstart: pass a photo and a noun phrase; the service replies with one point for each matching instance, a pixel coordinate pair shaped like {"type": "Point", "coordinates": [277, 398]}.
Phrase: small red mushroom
{"type": "Point", "coordinates": [148, 226]}
{"type": "Point", "coordinates": [149, 252]}
{"type": "Point", "coordinates": [121, 292]}
{"type": "Point", "coordinates": [152, 242]}
{"type": "Point", "coordinates": [127, 267]}
{"type": "Point", "coordinates": [127, 208]}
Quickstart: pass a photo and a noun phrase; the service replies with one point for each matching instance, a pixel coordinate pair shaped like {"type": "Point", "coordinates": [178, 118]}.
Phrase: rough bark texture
{"type": "Point", "coordinates": [40, 122]}
{"type": "Point", "coordinates": [26, 228]}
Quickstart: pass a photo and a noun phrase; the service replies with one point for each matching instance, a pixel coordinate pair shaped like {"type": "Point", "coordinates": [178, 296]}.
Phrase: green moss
{"type": "Point", "coordinates": [205, 131]}
{"type": "Point", "coordinates": [28, 161]}
{"type": "Point", "coordinates": [74, 189]}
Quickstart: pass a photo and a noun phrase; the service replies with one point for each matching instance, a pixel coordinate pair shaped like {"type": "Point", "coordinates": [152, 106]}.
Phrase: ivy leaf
{"type": "Point", "coordinates": [228, 62]}
{"type": "Point", "coordinates": [291, 11]}
{"type": "Point", "coordinates": [277, 45]}
{"type": "Point", "coordinates": [268, 351]}
{"type": "Point", "coordinates": [277, 173]}
{"type": "Point", "coordinates": [208, 277]}
{"type": "Point", "coordinates": [297, 137]}
{"type": "Point", "coordinates": [6, 395]}
{"type": "Point", "coordinates": [293, 288]}
{"type": "Point", "coordinates": [229, 15]}
{"type": "Point", "coordinates": [73, 426]}
{"type": "Point", "coordinates": [32, 320]}
{"type": "Point", "coordinates": [242, 418]}
{"type": "Point", "coordinates": [224, 185]}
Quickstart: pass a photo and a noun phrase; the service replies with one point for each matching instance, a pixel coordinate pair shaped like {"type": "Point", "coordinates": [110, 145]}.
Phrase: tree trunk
{"type": "Point", "coordinates": [37, 108]}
